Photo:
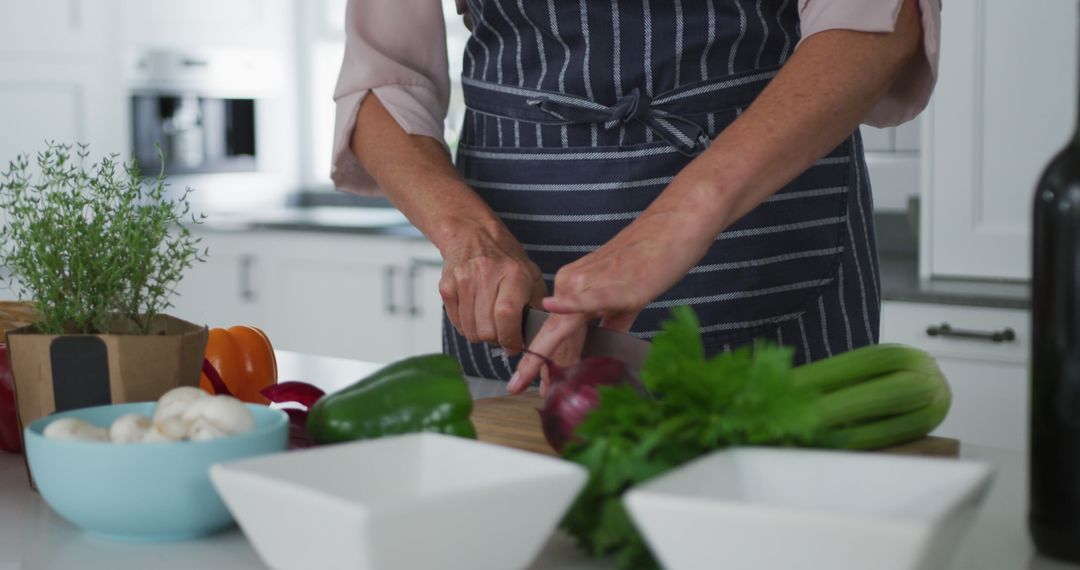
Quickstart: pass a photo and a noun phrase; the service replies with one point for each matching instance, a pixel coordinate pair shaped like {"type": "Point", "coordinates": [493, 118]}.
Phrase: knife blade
{"type": "Point", "coordinates": [598, 341]}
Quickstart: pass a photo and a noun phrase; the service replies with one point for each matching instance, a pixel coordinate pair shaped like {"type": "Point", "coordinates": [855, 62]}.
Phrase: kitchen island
{"type": "Point", "coordinates": [32, 537]}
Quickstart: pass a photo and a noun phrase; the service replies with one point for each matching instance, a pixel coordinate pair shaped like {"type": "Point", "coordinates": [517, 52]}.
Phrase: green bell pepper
{"type": "Point", "coordinates": [418, 394]}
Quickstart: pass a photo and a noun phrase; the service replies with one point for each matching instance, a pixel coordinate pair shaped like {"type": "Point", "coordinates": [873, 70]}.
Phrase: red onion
{"type": "Point", "coordinates": [302, 394]}
{"type": "Point", "coordinates": [574, 394]}
{"type": "Point", "coordinates": [220, 389]}
{"type": "Point", "coordinates": [292, 391]}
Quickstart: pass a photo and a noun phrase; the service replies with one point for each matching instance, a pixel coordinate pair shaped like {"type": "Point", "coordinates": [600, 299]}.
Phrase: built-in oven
{"type": "Point", "coordinates": [199, 110]}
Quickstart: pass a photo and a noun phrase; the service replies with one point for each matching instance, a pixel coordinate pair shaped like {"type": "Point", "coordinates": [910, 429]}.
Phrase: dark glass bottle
{"type": "Point", "coordinates": [1054, 487]}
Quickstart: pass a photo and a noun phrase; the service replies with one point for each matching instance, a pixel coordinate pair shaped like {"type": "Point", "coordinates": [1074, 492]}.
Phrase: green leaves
{"type": "Point", "coordinates": [92, 243]}
{"type": "Point", "coordinates": [744, 397]}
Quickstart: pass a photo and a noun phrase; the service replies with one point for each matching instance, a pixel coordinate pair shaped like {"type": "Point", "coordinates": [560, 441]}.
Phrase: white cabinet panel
{"type": "Point", "coordinates": [66, 102]}
{"type": "Point", "coordinates": [229, 287]}
{"type": "Point", "coordinates": [36, 112]}
{"type": "Point", "coordinates": [335, 308]}
{"type": "Point", "coordinates": [989, 405]}
{"type": "Point", "coordinates": [894, 179]}
{"type": "Point", "coordinates": [51, 27]}
{"type": "Point", "coordinates": [425, 311]}
{"type": "Point", "coordinates": [1004, 105]}
{"type": "Point", "coordinates": [371, 298]}
{"type": "Point", "coordinates": [337, 295]}
{"type": "Point", "coordinates": [907, 135]}
{"type": "Point", "coordinates": [208, 23]}
{"type": "Point", "coordinates": [877, 140]}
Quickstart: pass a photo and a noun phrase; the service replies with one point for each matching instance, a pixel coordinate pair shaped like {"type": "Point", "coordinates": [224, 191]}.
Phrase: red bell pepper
{"type": "Point", "coordinates": [10, 438]}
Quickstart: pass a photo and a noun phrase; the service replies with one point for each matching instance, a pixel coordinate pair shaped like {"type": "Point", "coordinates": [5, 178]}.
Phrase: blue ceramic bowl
{"type": "Point", "coordinates": [142, 492]}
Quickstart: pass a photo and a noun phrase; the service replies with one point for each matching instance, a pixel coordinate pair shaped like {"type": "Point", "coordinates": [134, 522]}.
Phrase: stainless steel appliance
{"type": "Point", "coordinates": [199, 108]}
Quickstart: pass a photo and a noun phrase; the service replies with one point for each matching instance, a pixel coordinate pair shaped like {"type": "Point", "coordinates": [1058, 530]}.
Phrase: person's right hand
{"type": "Point", "coordinates": [487, 281]}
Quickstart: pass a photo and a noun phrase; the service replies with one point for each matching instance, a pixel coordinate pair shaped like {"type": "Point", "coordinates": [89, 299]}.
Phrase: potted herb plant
{"type": "Point", "coordinates": [99, 249]}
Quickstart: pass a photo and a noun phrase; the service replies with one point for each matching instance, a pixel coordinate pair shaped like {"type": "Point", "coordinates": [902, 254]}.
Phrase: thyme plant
{"type": "Point", "coordinates": [97, 247]}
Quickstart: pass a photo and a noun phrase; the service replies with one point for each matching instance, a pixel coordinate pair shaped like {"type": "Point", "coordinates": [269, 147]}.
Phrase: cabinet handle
{"type": "Point", "coordinates": [389, 304]}
{"type": "Point", "coordinates": [410, 290]}
{"type": "Point", "coordinates": [415, 265]}
{"type": "Point", "coordinates": [247, 293]}
{"type": "Point", "coordinates": [944, 330]}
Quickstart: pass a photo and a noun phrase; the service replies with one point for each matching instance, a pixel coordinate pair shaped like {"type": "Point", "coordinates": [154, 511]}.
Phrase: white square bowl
{"type": "Point", "coordinates": [750, 508]}
{"type": "Point", "coordinates": [405, 502]}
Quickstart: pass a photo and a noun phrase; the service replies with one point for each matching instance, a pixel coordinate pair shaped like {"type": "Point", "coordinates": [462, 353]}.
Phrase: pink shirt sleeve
{"type": "Point", "coordinates": [397, 50]}
{"type": "Point", "coordinates": [911, 91]}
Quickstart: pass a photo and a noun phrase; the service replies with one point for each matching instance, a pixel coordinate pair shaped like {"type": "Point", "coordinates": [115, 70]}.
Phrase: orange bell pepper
{"type": "Point", "coordinates": [244, 358]}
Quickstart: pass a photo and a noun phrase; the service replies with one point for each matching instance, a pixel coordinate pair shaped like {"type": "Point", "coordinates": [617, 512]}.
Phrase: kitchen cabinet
{"type": "Point", "coordinates": [426, 308]}
{"type": "Point", "coordinates": [60, 75]}
{"type": "Point", "coordinates": [51, 28]}
{"type": "Point", "coordinates": [988, 377]}
{"type": "Point", "coordinates": [337, 295]}
{"type": "Point", "coordinates": [228, 288]}
{"type": "Point", "coordinates": [366, 297]}
{"type": "Point", "coordinates": [1004, 105]}
{"type": "Point", "coordinates": [892, 159]}
{"type": "Point", "coordinates": [208, 23]}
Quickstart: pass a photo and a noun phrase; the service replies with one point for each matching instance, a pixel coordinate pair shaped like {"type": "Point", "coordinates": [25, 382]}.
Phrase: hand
{"type": "Point", "coordinates": [487, 281]}
{"type": "Point", "coordinates": [560, 339]}
{"type": "Point", "coordinates": [614, 283]}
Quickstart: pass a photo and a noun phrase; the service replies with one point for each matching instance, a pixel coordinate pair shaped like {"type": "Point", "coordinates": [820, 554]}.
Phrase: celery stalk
{"type": "Point", "coordinates": [894, 393]}
{"type": "Point", "coordinates": [862, 364]}
{"type": "Point", "coordinates": [891, 431]}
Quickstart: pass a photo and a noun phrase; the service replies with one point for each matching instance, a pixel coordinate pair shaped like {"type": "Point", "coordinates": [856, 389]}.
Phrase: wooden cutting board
{"type": "Point", "coordinates": [513, 421]}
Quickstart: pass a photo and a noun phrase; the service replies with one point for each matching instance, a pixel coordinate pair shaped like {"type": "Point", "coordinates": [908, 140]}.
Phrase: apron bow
{"type": "Point", "coordinates": [685, 135]}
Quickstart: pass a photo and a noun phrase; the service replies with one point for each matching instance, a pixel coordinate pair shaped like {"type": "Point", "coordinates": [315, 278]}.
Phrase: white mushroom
{"type": "Point", "coordinates": [130, 428]}
{"type": "Point", "coordinates": [172, 428]}
{"type": "Point", "coordinates": [169, 429]}
{"type": "Point", "coordinates": [76, 430]}
{"type": "Point", "coordinates": [202, 430]}
{"type": "Point", "coordinates": [175, 401]}
{"type": "Point", "coordinates": [222, 413]}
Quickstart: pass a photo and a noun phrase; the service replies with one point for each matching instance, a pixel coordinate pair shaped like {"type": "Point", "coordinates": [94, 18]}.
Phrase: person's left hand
{"type": "Point", "coordinates": [614, 283]}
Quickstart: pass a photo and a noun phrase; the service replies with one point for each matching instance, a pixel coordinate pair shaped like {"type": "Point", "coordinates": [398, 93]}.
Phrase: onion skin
{"type": "Point", "coordinates": [292, 391]}
{"type": "Point", "coordinates": [574, 394]}
{"type": "Point", "coordinates": [300, 393]}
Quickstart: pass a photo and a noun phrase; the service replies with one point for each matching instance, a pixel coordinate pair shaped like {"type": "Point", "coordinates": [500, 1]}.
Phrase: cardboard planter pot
{"type": "Point", "coordinates": [55, 373]}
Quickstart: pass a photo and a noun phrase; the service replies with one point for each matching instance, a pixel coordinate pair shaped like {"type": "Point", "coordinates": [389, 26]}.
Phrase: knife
{"type": "Point", "coordinates": [598, 341]}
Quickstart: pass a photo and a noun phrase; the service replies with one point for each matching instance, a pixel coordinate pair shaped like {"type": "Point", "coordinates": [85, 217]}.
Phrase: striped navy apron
{"type": "Point", "coordinates": [580, 112]}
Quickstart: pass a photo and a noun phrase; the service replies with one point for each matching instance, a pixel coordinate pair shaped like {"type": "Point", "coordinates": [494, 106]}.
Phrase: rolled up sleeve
{"type": "Point", "coordinates": [397, 50]}
{"type": "Point", "coordinates": [910, 92]}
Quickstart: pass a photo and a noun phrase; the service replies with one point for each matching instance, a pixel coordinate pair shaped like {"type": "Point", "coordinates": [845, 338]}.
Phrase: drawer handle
{"type": "Point", "coordinates": [945, 331]}
{"type": "Point", "coordinates": [389, 282]}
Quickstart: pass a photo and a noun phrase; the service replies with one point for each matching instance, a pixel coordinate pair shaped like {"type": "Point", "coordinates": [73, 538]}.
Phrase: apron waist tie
{"type": "Point", "coordinates": [664, 114]}
{"type": "Point", "coordinates": [685, 135]}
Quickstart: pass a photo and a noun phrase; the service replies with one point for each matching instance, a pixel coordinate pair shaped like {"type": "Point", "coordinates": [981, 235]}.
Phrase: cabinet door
{"type": "Point", "coordinates": [52, 27]}
{"type": "Point", "coordinates": [208, 23]}
{"type": "Point", "coordinates": [338, 295]}
{"type": "Point", "coordinates": [425, 304]}
{"type": "Point", "coordinates": [989, 403]}
{"type": "Point", "coordinates": [1004, 105]}
{"type": "Point", "coordinates": [229, 287]}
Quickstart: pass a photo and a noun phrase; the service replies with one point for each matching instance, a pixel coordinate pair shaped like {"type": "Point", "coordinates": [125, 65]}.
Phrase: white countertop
{"type": "Point", "coordinates": [32, 537]}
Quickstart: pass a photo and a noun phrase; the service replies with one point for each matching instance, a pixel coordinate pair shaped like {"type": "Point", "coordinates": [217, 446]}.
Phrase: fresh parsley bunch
{"type": "Point", "coordinates": [744, 397]}
{"type": "Point", "coordinates": [92, 243]}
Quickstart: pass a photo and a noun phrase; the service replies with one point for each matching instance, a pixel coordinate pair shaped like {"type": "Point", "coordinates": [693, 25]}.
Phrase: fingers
{"type": "Point", "coordinates": [556, 330]}
{"type": "Point", "coordinates": [619, 321]}
{"type": "Point", "coordinates": [484, 307]}
{"type": "Point", "coordinates": [449, 293]}
{"type": "Point", "coordinates": [509, 302]}
{"type": "Point", "coordinates": [466, 304]}
{"type": "Point", "coordinates": [567, 354]}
